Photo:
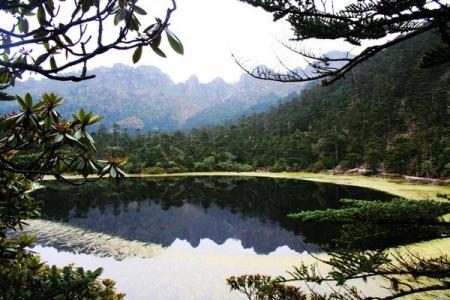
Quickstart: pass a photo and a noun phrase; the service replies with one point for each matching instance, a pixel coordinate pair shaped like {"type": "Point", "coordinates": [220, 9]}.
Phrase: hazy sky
{"type": "Point", "coordinates": [211, 30]}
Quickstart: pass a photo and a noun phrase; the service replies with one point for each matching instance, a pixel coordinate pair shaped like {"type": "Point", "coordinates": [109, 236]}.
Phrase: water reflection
{"type": "Point", "coordinates": [162, 211]}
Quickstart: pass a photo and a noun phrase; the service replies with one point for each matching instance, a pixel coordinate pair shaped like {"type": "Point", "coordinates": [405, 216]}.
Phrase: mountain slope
{"type": "Point", "coordinates": [148, 99]}
{"type": "Point", "coordinates": [388, 114]}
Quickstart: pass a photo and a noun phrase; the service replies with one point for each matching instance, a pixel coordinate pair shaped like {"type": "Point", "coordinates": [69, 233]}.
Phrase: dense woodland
{"type": "Point", "coordinates": [387, 115]}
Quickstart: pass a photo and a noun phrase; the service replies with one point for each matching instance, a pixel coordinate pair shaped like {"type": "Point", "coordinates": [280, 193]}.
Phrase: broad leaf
{"type": "Point", "coordinates": [137, 54]}
{"type": "Point", "coordinates": [175, 42]}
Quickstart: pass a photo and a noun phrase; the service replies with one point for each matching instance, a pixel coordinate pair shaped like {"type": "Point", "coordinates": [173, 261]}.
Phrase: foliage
{"type": "Point", "coordinates": [153, 170]}
{"type": "Point", "coordinates": [383, 119]}
{"type": "Point", "coordinates": [349, 259]}
{"type": "Point", "coordinates": [355, 23]}
{"type": "Point", "coordinates": [36, 141]}
{"type": "Point", "coordinates": [25, 276]}
{"type": "Point", "coordinates": [396, 211]}
{"type": "Point", "coordinates": [263, 287]}
{"type": "Point", "coordinates": [39, 35]}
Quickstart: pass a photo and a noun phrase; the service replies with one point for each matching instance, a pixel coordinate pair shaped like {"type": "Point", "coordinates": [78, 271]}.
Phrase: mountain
{"type": "Point", "coordinates": [388, 114]}
{"type": "Point", "coordinates": [146, 98]}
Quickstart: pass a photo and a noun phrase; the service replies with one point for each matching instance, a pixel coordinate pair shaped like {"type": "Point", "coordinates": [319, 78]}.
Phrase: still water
{"type": "Point", "coordinates": [180, 238]}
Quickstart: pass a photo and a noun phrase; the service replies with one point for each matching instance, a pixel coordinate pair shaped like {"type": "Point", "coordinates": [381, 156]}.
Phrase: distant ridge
{"type": "Point", "coordinates": [146, 98]}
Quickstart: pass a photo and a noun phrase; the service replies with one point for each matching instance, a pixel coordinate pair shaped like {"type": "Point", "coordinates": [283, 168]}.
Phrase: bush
{"type": "Point", "coordinates": [153, 170]}
{"type": "Point", "coordinates": [176, 169]}
{"type": "Point", "coordinates": [352, 160]}
{"type": "Point", "coordinates": [24, 276]}
{"type": "Point", "coordinates": [245, 168]}
{"type": "Point", "coordinates": [279, 166]}
{"type": "Point", "coordinates": [207, 164]}
{"type": "Point", "coordinates": [317, 166]}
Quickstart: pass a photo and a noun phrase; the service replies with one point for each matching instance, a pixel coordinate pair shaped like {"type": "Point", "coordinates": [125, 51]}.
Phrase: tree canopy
{"type": "Point", "coordinates": [389, 117]}
{"type": "Point", "coordinates": [355, 23]}
{"type": "Point", "coordinates": [36, 140]}
{"type": "Point", "coordinates": [37, 32]}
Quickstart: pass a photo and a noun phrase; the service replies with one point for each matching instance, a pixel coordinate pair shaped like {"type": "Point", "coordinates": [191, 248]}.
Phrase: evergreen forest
{"type": "Point", "coordinates": [388, 115]}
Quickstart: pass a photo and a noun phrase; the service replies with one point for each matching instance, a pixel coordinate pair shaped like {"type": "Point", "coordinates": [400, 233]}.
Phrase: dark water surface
{"type": "Point", "coordinates": [189, 233]}
{"type": "Point", "coordinates": [252, 210]}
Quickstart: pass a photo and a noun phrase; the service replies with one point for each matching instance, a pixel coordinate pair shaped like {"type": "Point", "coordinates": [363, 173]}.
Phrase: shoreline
{"type": "Point", "coordinates": [398, 187]}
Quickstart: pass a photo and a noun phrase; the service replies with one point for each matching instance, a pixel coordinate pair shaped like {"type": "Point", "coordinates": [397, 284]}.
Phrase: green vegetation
{"type": "Point", "coordinates": [366, 225]}
{"type": "Point", "coordinates": [57, 146]}
{"type": "Point", "coordinates": [35, 140]}
{"type": "Point", "coordinates": [355, 22]}
{"type": "Point", "coordinates": [385, 114]}
{"type": "Point", "coordinates": [389, 116]}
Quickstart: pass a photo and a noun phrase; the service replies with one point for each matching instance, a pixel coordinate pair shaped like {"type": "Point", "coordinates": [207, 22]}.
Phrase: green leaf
{"type": "Point", "coordinates": [25, 11]}
{"type": "Point", "coordinates": [40, 34]}
{"type": "Point", "coordinates": [41, 15]}
{"type": "Point", "coordinates": [149, 28]}
{"type": "Point", "coordinates": [113, 172]}
{"type": "Point", "coordinates": [139, 10]}
{"type": "Point", "coordinates": [49, 6]}
{"type": "Point", "coordinates": [156, 41]}
{"type": "Point", "coordinates": [78, 134]}
{"type": "Point", "coordinates": [74, 140]}
{"type": "Point", "coordinates": [175, 42]}
{"type": "Point", "coordinates": [6, 97]}
{"type": "Point", "coordinates": [23, 25]}
{"type": "Point", "coordinates": [95, 119]}
{"type": "Point", "coordinates": [19, 60]}
{"type": "Point", "coordinates": [82, 114]}
{"type": "Point", "coordinates": [67, 39]}
{"type": "Point", "coordinates": [89, 138]}
{"type": "Point", "coordinates": [28, 101]}
{"type": "Point", "coordinates": [41, 58]}
{"type": "Point", "coordinates": [21, 102]}
{"type": "Point", "coordinates": [158, 51]}
{"type": "Point", "coordinates": [134, 24]}
{"type": "Point", "coordinates": [86, 5]}
{"type": "Point", "coordinates": [119, 16]}
{"type": "Point", "coordinates": [53, 62]}
{"type": "Point", "coordinates": [58, 138]}
{"type": "Point", "coordinates": [137, 54]}
{"type": "Point", "coordinates": [105, 170]}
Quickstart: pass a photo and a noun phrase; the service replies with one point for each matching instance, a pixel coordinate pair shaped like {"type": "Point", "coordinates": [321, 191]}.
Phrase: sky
{"type": "Point", "coordinates": [213, 30]}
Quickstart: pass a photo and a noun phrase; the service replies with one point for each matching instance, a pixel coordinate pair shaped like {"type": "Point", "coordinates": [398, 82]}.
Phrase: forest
{"type": "Point", "coordinates": [388, 115]}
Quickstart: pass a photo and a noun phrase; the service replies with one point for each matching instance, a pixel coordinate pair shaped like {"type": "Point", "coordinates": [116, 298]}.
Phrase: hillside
{"type": "Point", "coordinates": [146, 98]}
{"type": "Point", "coordinates": [389, 114]}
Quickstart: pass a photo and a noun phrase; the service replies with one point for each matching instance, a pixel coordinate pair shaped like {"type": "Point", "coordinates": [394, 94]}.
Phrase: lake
{"type": "Point", "coordinates": [181, 237]}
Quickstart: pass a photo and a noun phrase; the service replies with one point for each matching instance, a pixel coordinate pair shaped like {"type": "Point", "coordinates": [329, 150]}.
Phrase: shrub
{"type": "Point", "coordinates": [153, 170]}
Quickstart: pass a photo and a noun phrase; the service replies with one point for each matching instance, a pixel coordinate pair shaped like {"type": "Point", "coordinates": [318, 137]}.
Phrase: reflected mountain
{"type": "Point", "coordinates": [251, 210]}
